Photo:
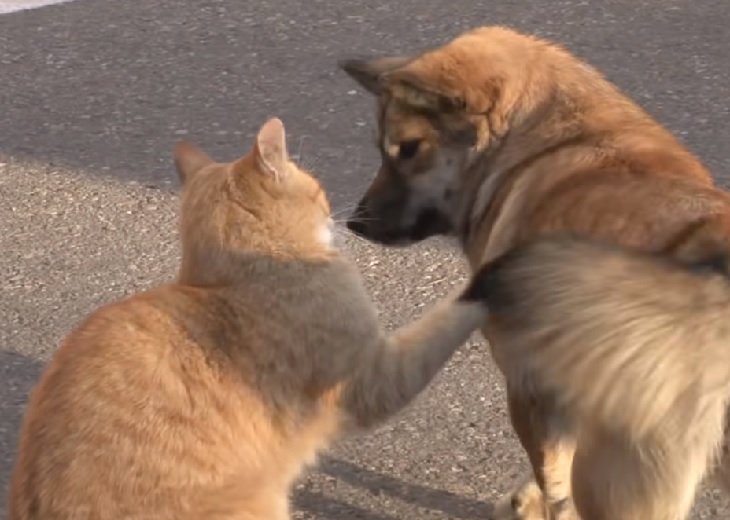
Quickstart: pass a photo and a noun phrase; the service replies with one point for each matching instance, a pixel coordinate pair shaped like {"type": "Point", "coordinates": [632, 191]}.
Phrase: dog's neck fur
{"type": "Point", "coordinates": [549, 119]}
{"type": "Point", "coordinates": [491, 163]}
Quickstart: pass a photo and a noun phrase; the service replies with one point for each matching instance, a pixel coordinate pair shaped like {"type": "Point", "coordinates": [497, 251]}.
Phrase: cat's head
{"type": "Point", "coordinates": [262, 203]}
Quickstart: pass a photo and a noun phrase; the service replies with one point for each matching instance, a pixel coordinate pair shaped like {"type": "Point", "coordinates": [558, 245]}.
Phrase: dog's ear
{"type": "Point", "coordinates": [421, 87]}
{"type": "Point", "coordinates": [369, 72]}
{"type": "Point", "coordinates": [189, 159]}
{"type": "Point", "coordinates": [430, 83]}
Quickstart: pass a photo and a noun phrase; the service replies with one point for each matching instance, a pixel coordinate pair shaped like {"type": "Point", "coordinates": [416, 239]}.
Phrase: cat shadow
{"type": "Point", "coordinates": [453, 505]}
{"type": "Point", "coordinates": [18, 375]}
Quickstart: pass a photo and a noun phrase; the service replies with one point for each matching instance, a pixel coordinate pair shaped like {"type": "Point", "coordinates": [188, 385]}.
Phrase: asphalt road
{"type": "Point", "coordinates": [94, 93]}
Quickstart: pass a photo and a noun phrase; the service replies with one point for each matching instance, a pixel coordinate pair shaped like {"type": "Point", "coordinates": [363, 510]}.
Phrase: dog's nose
{"type": "Point", "coordinates": [356, 226]}
{"type": "Point", "coordinates": [357, 223]}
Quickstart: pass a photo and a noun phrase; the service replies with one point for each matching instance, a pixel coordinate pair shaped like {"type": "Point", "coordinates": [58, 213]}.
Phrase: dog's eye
{"type": "Point", "coordinates": [408, 149]}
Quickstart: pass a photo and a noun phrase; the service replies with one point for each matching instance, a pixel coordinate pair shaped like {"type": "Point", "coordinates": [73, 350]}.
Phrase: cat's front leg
{"type": "Point", "coordinates": [402, 364]}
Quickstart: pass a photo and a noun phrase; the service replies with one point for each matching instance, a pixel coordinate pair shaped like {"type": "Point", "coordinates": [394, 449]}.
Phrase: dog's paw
{"type": "Point", "coordinates": [524, 503]}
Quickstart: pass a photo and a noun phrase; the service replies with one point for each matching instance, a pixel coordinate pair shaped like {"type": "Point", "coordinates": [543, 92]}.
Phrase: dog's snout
{"type": "Point", "coordinates": [357, 223]}
{"type": "Point", "coordinates": [356, 226]}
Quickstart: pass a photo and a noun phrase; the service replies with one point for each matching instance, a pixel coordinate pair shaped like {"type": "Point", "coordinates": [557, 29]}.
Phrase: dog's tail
{"type": "Point", "coordinates": [637, 342]}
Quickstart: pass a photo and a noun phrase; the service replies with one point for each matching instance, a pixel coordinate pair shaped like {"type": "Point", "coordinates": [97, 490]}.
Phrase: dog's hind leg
{"type": "Point", "coordinates": [547, 437]}
{"type": "Point", "coordinates": [720, 473]}
{"type": "Point", "coordinates": [615, 478]}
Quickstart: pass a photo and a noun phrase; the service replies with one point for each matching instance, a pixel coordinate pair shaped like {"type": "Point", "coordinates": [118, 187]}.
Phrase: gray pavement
{"type": "Point", "coordinates": [93, 95]}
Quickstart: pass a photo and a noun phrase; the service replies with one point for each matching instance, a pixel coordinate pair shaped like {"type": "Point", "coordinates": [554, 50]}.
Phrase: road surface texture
{"type": "Point", "coordinates": [94, 93]}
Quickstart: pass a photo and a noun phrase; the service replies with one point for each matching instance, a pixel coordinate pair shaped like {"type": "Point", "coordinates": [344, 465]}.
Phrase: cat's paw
{"type": "Point", "coordinates": [524, 503]}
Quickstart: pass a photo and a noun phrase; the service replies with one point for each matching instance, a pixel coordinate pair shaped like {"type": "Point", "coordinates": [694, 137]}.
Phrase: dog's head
{"type": "Point", "coordinates": [437, 112]}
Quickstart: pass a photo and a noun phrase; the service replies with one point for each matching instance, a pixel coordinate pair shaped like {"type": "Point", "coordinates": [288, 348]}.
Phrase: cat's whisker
{"type": "Point", "coordinates": [310, 164]}
{"type": "Point", "coordinates": [346, 210]}
{"type": "Point", "coordinates": [345, 233]}
{"type": "Point", "coordinates": [301, 142]}
{"type": "Point", "coordinates": [355, 219]}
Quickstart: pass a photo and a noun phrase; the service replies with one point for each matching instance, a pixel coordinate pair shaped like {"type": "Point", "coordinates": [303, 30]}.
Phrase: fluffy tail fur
{"type": "Point", "coordinates": [630, 340]}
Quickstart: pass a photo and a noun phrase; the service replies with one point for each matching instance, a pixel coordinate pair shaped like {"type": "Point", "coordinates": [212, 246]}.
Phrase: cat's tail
{"type": "Point", "coordinates": [630, 340]}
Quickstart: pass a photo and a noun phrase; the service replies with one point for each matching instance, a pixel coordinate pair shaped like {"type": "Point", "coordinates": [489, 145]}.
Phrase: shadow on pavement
{"type": "Point", "coordinates": [330, 508]}
{"type": "Point", "coordinates": [109, 87]}
{"type": "Point", "coordinates": [18, 374]}
{"type": "Point", "coordinates": [453, 505]}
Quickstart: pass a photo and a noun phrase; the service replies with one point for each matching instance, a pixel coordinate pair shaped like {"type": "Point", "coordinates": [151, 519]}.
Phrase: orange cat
{"type": "Point", "coordinates": [206, 398]}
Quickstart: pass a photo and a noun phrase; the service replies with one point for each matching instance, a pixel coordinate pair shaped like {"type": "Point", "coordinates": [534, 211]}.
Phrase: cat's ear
{"type": "Point", "coordinates": [189, 159]}
{"type": "Point", "coordinates": [270, 151]}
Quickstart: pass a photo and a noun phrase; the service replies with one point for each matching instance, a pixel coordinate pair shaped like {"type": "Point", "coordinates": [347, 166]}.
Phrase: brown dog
{"type": "Point", "coordinates": [497, 137]}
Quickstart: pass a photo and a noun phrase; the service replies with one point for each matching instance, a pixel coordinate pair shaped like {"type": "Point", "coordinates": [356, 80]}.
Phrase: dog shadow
{"type": "Point", "coordinates": [18, 375]}
{"type": "Point", "coordinates": [453, 505]}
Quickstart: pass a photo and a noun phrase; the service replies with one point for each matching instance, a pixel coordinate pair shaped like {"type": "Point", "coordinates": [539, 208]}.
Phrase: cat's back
{"type": "Point", "coordinates": [162, 402]}
{"type": "Point", "coordinates": [138, 409]}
